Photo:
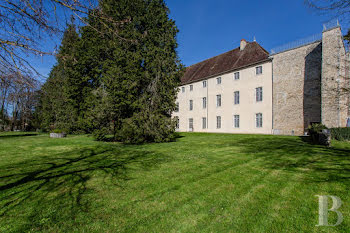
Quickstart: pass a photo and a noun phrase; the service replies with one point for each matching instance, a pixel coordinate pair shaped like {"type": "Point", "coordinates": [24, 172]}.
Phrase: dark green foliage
{"type": "Point", "coordinates": [314, 131]}
{"type": "Point", "coordinates": [118, 79]}
{"type": "Point", "coordinates": [100, 134]}
{"type": "Point", "coordinates": [341, 134]}
{"type": "Point", "coordinates": [347, 37]}
{"type": "Point", "coordinates": [57, 131]}
{"type": "Point", "coordinates": [147, 126]}
{"type": "Point", "coordinates": [316, 128]}
{"type": "Point", "coordinates": [61, 95]}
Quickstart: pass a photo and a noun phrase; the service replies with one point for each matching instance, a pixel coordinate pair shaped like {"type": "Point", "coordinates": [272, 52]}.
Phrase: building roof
{"type": "Point", "coordinates": [235, 59]}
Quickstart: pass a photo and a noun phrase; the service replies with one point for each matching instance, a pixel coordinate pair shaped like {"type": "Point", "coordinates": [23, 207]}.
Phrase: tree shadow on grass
{"type": "Point", "coordinates": [56, 188]}
{"type": "Point", "coordinates": [17, 135]}
{"type": "Point", "coordinates": [317, 163]}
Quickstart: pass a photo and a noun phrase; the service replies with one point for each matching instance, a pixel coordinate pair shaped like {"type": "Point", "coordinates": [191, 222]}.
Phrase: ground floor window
{"type": "Point", "coordinates": [236, 121]}
{"type": "Point", "coordinates": [190, 123]}
{"type": "Point", "coordinates": [177, 120]}
{"type": "Point", "coordinates": [204, 122]}
{"type": "Point", "coordinates": [259, 120]}
{"type": "Point", "coordinates": [218, 122]}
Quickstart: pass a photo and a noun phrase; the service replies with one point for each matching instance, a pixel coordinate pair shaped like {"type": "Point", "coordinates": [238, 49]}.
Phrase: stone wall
{"type": "Point", "coordinates": [334, 97]}
{"type": "Point", "coordinates": [296, 89]}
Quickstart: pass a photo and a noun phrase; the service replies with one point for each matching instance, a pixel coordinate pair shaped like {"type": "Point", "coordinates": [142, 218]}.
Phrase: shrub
{"type": "Point", "coordinates": [341, 134]}
{"type": "Point", "coordinates": [57, 131]}
{"type": "Point", "coordinates": [99, 134]}
{"type": "Point", "coordinates": [147, 127]}
{"type": "Point", "coordinates": [316, 128]}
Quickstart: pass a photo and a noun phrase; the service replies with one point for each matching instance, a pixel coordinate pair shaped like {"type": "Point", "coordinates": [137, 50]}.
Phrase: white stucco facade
{"type": "Point", "coordinates": [247, 108]}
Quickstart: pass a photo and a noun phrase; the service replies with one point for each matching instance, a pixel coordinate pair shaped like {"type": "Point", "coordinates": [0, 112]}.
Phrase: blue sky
{"type": "Point", "coordinates": [208, 27]}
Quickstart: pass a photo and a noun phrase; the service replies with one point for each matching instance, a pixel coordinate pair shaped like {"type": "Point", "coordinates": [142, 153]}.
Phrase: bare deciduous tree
{"type": "Point", "coordinates": [336, 8]}
{"type": "Point", "coordinates": [25, 25]}
{"type": "Point", "coordinates": [18, 98]}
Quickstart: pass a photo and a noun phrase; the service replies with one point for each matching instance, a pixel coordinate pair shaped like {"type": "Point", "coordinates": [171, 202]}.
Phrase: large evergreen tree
{"type": "Point", "coordinates": [123, 83]}
{"type": "Point", "coordinates": [138, 71]}
{"type": "Point", "coordinates": [61, 95]}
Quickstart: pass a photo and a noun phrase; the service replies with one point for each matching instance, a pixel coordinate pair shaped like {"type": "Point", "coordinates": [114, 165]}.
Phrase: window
{"type": "Point", "coordinates": [183, 89]}
{"type": "Point", "coordinates": [204, 122]}
{"type": "Point", "coordinates": [190, 123]}
{"type": "Point", "coordinates": [204, 102]}
{"type": "Point", "coordinates": [177, 122]}
{"type": "Point", "coordinates": [236, 75]}
{"type": "Point", "coordinates": [177, 107]}
{"type": "Point", "coordinates": [204, 83]}
{"type": "Point", "coordinates": [218, 80]}
{"type": "Point", "coordinates": [218, 100]}
{"type": "Point", "coordinates": [218, 122]}
{"type": "Point", "coordinates": [236, 97]}
{"type": "Point", "coordinates": [236, 121]}
{"type": "Point", "coordinates": [191, 105]}
{"type": "Point", "coordinates": [259, 94]}
{"type": "Point", "coordinates": [258, 69]}
{"type": "Point", "coordinates": [191, 87]}
{"type": "Point", "coordinates": [259, 120]}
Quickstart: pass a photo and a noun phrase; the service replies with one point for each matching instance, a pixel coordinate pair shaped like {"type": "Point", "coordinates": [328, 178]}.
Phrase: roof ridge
{"type": "Point", "coordinates": [230, 60]}
{"type": "Point", "coordinates": [261, 47]}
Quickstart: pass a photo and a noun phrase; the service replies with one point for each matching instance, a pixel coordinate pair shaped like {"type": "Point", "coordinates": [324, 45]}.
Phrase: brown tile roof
{"type": "Point", "coordinates": [232, 60]}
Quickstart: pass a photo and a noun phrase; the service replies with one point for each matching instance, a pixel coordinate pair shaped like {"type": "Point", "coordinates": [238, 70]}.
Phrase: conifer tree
{"type": "Point", "coordinates": [61, 94]}
{"type": "Point", "coordinates": [122, 83]}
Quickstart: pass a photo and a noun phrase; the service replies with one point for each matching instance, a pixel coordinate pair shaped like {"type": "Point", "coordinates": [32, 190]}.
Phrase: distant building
{"type": "Point", "coordinates": [248, 90]}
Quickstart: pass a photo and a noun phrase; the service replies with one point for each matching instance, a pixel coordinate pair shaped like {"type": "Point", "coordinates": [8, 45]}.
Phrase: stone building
{"type": "Point", "coordinates": [248, 90]}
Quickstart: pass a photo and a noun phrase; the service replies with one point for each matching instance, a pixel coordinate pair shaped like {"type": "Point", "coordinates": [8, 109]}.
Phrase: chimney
{"type": "Point", "coordinates": [243, 44]}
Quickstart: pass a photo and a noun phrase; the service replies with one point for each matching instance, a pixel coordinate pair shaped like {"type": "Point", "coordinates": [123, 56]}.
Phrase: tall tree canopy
{"type": "Point", "coordinates": [123, 83]}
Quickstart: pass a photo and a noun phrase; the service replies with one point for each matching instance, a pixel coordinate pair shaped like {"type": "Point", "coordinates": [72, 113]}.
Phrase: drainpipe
{"type": "Point", "coordinates": [338, 98]}
{"type": "Point", "coordinates": [207, 106]}
{"type": "Point", "coordinates": [272, 97]}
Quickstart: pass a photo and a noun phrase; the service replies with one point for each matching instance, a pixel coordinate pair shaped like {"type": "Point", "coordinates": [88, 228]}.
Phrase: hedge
{"type": "Point", "coordinates": [341, 134]}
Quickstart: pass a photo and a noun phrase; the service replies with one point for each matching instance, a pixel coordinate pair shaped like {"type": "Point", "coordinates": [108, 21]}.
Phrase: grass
{"type": "Point", "coordinates": [201, 183]}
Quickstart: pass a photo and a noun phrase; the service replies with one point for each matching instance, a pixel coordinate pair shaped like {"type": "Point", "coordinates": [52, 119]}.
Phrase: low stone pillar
{"type": "Point", "coordinates": [58, 135]}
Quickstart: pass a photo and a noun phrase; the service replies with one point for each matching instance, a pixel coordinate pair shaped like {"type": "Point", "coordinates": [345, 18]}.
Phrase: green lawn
{"type": "Point", "coordinates": [201, 183]}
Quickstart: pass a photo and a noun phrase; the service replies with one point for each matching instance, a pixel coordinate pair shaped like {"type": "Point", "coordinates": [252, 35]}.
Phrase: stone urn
{"type": "Point", "coordinates": [58, 135]}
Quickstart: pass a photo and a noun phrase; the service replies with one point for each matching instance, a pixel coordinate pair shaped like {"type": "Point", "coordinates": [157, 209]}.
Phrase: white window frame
{"type": "Point", "coordinates": [218, 80]}
{"type": "Point", "coordinates": [191, 105]}
{"type": "Point", "coordinates": [236, 98]}
{"type": "Point", "coordinates": [204, 122]}
{"type": "Point", "coordinates": [259, 120]}
{"type": "Point", "coordinates": [236, 76]}
{"type": "Point", "coordinates": [204, 102]}
{"type": "Point", "coordinates": [183, 89]}
{"type": "Point", "coordinates": [218, 100]}
{"type": "Point", "coordinates": [258, 70]}
{"type": "Point", "coordinates": [204, 84]}
{"type": "Point", "coordinates": [191, 87]}
{"type": "Point", "coordinates": [259, 94]}
{"type": "Point", "coordinates": [236, 123]}
{"type": "Point", "coordinates": [218, 122]}
{"type": "Point", "coordinates": [190, 124]}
